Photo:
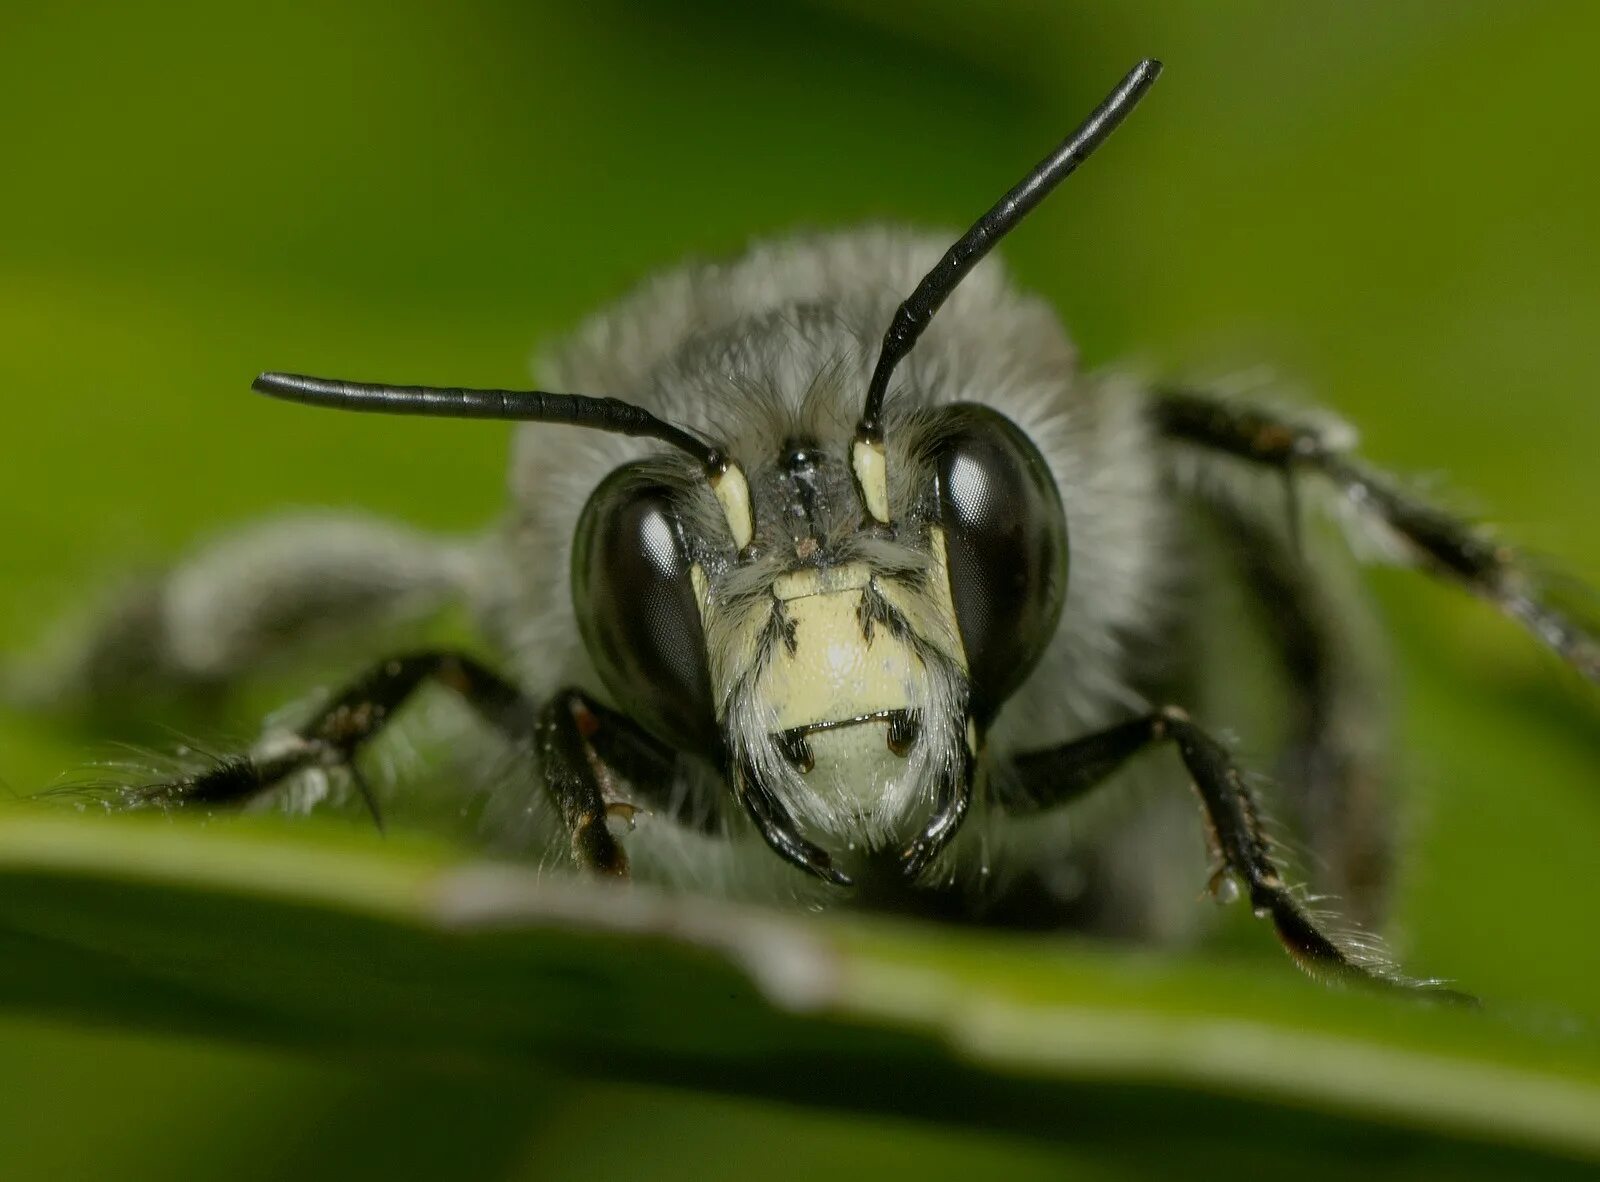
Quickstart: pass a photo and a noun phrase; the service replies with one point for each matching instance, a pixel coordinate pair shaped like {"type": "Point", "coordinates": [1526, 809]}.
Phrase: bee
{"type": "Point", "coordinates": [842, 583]}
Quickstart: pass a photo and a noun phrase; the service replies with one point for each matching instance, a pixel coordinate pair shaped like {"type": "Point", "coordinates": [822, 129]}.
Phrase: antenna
{"type": "Point", "coordinates": [522, 406]}
{"type": "Point", "coordinates": [918, 310]}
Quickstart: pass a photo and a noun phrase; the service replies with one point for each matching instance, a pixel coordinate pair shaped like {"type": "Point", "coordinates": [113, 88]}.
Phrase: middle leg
{"type": "Point", "coordinates": [1058, 775]}
{"type": "Point", "coordinates": [1438, 542]}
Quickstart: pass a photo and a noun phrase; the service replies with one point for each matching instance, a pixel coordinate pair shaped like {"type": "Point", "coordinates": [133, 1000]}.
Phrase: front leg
{"type": "Point", "coordinates": [1060, 774]}
{"type": "Point", "coordinates": [343, 726]}
{"type": "Point", "coordinates": [582, 747]}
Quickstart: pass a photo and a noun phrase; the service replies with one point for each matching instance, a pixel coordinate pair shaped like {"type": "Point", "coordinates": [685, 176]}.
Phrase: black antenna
{"type": "Point", "coordinates": [913, 315]}
{"type": "Point", "coordinates": [579, 410]}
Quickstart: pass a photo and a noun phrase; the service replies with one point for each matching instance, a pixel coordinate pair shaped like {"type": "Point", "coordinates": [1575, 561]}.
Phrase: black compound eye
{"type": "Point", "coordinates": [1006, 541]}
{"type": "Point", "coordinates": [637, 609]}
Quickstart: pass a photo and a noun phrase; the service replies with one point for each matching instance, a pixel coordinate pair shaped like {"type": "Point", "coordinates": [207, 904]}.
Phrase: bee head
{"type": "Point", "coordinates": [837, 634]}
{"type": "Point", "coordinates": [841, 670]}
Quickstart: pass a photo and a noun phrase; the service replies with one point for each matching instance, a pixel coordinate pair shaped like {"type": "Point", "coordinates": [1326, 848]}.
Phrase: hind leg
{"type": "Point", "coordinates": [1334, 773]}
{"type": "Point", "coordinates": [274, 591]}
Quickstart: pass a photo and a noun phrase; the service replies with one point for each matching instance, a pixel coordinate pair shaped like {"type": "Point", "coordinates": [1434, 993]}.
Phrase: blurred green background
{"type": "Point", "coordinates": [1393, 204]}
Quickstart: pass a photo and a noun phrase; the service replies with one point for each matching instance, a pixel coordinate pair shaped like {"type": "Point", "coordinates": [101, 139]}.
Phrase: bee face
{"type": "Point", "coordinates": [840, 666]}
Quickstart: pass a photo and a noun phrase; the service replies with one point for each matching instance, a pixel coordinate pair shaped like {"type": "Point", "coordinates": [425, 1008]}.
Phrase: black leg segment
{"type": "Point", "coordinates": [1058, 775]}
{"type": "Point", "coordinates": [572, 726]}
{"type": "Point", "coordinates": [347, 722]}
{"type": "Point", "coordinates": [1445, 545]}
{"type": "Point", "coordinates": [582, 748]}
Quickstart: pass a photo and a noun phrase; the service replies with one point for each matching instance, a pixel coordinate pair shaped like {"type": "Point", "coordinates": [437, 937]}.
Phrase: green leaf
{"type": "Point", "coordinates": [312, 936]}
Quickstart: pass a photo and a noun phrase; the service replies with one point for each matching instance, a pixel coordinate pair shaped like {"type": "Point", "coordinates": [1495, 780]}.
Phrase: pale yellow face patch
{"type": "Point", "coordinates": [871, 470]}
{"type": "Point", "coordinates": [833, 672]}
{"type": "Point", "coordinates": [818, 672]}
{"type": "Point", "coordinates": [733, 494]}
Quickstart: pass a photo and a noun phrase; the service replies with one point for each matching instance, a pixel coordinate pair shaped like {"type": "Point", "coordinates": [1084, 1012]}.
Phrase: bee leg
{"type": "Point", "coordinates": [582, 745]}
{"type": "Point", "coordinates": [271, 592]}
{"type": "Point", "coordinates": [1334, 769]}
{"type": "Point", "coordinates": [347, 722]}
{"type": "Point", "coordinates": [1445, 545]}
{"type": "Point", "coordinates": [1057, 775]}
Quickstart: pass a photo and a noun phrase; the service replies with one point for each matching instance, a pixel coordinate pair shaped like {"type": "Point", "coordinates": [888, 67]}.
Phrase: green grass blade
{"type": "Point", "coordinates": [315, 937]}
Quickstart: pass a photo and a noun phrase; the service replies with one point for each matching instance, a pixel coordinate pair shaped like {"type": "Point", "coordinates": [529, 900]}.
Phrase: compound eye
{"type": "Point", "coordinates": [1006, 542]}
{"type": "Point", "coordinates": [637, 609]}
